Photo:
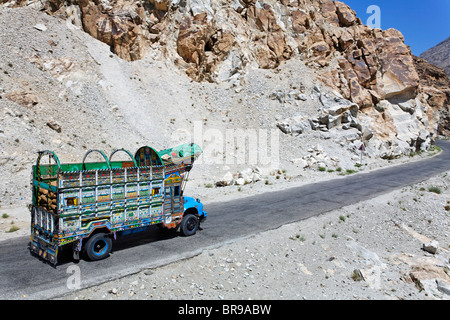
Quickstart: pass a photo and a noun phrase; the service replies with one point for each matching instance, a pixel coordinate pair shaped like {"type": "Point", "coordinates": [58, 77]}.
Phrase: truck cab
{"type": "Point", "coordinates": [193, 216]}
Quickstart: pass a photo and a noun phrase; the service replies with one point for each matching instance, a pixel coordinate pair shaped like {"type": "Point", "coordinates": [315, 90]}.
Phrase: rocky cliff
{"type": "Point", "coordinates": [439, 55]}
{"type": "Point", "coordinates": [435, 83]}
{"type": "Point", "coordinates": [371, 70]}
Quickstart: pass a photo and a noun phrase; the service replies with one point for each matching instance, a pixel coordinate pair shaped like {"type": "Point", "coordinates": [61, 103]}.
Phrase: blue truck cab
{"type": "Point", "coordinates": [192, 217]}
{"type": "Point", "coordinates": [194, 206]}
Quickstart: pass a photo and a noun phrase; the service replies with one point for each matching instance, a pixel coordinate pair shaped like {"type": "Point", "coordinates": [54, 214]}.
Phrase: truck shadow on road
{"type": "Point", "coordinates": [152, 234]}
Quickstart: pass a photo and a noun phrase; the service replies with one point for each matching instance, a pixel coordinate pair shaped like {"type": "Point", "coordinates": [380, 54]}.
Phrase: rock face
{"type": "Point", "coordinates": [439, 55]}
{"type": "Point", "coordinates": [435, 85]}
{"type": "Point", "coordinates": [121, 24]}
{"type": "Point", "coordinates": [217, 41]}
{"type": "Point", "coordinates": [366, 65]}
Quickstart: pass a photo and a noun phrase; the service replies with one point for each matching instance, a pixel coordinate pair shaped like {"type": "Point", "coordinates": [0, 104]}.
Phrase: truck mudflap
{"type": "Point", "coordinates": [44, 250]}
{"type": "Point", "coordinates": [203, 216]}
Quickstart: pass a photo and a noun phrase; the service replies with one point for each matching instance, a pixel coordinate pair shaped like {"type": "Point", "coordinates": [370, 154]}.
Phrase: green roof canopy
{"type": "Point", "coordinates": [186, 153]}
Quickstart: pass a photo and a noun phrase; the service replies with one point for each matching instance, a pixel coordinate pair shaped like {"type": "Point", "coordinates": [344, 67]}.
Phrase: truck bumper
{"type": "Point", "coordinates": [44, 251]}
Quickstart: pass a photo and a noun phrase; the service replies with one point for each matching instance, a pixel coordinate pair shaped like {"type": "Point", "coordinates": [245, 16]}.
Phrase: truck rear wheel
{"type": "Point", "coordinates": [189, 225]}
{"type": "Point", "coordinates": [98, 246]}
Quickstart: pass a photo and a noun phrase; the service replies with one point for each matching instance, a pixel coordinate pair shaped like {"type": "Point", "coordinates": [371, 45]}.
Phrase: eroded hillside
{"type": "Point", "coordinates": [306, 78]}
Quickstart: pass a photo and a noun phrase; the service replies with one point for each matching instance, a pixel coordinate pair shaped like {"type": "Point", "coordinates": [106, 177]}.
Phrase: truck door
{"type": "Point", "coordinates": [172, 199]}
{"type": "Point", "coordinates": [168, 200]}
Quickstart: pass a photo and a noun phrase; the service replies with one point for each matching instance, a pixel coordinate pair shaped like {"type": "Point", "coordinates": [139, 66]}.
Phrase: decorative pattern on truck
{"type": "Point", "coordinates": [72, 201]}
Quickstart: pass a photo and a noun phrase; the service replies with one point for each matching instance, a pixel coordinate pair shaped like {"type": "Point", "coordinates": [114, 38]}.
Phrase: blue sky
{"type": "Point", "coordinates": [424, 23]}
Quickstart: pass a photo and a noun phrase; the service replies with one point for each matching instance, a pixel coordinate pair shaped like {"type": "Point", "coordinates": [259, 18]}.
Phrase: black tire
{"type": "Point", "coordinates": [98, 246]}
{"type": "Point", "coordinates": [189, 225]}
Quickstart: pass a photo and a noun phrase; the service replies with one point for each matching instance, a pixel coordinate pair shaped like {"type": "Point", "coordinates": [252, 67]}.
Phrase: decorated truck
{"type": "Point", "coordinates": [87, 205]}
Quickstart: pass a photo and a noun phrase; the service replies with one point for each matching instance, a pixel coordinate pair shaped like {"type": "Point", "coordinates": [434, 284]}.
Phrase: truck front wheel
{"type": "Point", "coordinates": [189, 225]}
{"type": "Point", "coordinates": [98, 246]}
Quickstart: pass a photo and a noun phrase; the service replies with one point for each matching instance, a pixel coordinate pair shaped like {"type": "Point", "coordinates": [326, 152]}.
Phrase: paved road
{"type": "Point", "coordinates": [22, 274]}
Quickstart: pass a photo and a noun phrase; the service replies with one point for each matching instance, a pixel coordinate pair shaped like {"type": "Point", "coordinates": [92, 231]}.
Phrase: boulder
{"type": "Point", "coordinates": [431, 247]}
{"type": "Point", "coordinates": [347, 17]}
{"type": "Point", "coordinates": [302, 97]}
{"type": "Point", "coordinates": [250, 175]}
{"type": "Point", "coordinates": [54, 126]}
{"type": "Point", "coordinates": [279, 95]}
{"type": "Point", "coordinates": [227, 180]}
{"type": "Point", "coordinates": [399, 77]}
{"type": "Point", "coordinates": [335, 106]}
{"type": "Point", "coordinates": [337, 111]}
{"type": "Point", "coordinates": [40, 27]}
{"type": "Point", "coordinates": [300, 162]}
{"type": "Point", "coordinates": [409, 129]}
{"type": "Point", "coordinates": [256, 174]}
{"type": "Point", "coordinates": [294, 125]}
{"type": "Point", "coordinates": [247, 175]}
{"type": "Point", "coordinates": [429, 275]}
{"type": "Point", "coordinates": [285, 127]}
